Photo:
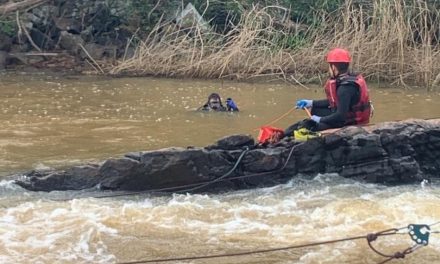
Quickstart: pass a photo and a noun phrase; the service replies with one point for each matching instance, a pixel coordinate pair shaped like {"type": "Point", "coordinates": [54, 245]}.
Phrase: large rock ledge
{"type": "Point", "coordinates": [390, 153]}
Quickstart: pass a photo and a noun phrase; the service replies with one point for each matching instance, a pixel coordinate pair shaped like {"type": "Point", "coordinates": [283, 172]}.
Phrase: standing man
{"type": "Point", "coordinates": [347, 101]}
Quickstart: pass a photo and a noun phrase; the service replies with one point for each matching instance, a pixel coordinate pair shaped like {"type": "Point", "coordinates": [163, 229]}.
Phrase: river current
{"type": "Point", "coordinates": [55, 121]}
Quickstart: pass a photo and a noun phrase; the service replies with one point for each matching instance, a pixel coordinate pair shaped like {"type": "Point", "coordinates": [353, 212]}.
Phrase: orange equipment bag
{"type": "Point", "coordinates": [270, 135]}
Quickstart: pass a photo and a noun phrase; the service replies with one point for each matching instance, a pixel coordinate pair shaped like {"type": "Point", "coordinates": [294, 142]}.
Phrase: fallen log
{"type": "Point", "coordinates": [388, 153]}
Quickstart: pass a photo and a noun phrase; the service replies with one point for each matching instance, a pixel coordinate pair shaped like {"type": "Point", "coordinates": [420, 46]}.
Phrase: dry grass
{"type": "Point", "coordinates": [395, 43]}
{"type": "Point", "coordinates": [389, 41]}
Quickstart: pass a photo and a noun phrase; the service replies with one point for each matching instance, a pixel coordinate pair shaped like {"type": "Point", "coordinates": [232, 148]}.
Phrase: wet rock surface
{"type": "Point", "coordinates": [389, 153]}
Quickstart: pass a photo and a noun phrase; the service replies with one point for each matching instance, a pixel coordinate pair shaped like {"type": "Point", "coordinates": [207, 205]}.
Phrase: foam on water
{"type": "Point", "coordinates": [8, 185]}
{"type": "Point", "coordinates": [301, 211]}
{"type": "Point", "coordinates": [73, 231]}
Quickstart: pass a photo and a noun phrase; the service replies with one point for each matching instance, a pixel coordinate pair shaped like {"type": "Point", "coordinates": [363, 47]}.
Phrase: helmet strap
{"type": "Point", "coordinates": [333, 70]}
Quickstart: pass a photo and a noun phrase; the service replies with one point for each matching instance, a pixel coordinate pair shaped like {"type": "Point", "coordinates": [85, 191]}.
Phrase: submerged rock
{"type": "Point", "coordinates": [388, 153]}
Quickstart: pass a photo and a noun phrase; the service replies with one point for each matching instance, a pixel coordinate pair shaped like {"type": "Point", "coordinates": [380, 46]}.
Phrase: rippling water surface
{"type": "Point", "coordinates": [55, 121]}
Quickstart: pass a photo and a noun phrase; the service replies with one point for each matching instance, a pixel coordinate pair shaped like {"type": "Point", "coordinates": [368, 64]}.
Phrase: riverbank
{"type": "Point", "coordinates": [391, 42]}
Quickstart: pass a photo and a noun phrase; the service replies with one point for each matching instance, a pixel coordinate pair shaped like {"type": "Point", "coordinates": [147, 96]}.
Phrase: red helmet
{"type": "Point", "coordinates": [338, 55]}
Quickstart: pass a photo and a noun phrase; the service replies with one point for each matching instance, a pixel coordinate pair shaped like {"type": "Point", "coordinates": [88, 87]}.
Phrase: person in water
{"type": "Point", "coordinates": [214, 103]}
{"type": "Point", "coordinates": [347, 101]}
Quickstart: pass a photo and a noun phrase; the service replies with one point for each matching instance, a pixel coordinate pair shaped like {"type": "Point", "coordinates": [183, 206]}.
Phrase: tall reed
{"type": "Point", "coordinates": [391, 41]}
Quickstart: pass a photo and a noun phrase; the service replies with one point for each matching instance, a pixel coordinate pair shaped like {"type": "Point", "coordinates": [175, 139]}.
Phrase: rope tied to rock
{"type": "Point", "coordinates": [199, 185]}
{"type": "Point", "coordinates": [221, 177]}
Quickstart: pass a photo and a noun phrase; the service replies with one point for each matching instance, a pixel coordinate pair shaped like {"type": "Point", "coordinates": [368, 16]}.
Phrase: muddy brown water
{"type": "Point", "coordinates": [56, 121]}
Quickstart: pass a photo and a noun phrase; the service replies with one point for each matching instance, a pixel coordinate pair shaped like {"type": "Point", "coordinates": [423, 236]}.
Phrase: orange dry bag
{"type": "Point", "coordinates": [270, 135]}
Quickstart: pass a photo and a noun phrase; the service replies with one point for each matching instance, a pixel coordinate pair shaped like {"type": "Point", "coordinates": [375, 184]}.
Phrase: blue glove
{"type": "Point", "coordinates": [230, 104]}
{"type": "Point", "coordinates": [316, 118]}
{"type": "Point", "coordinates": [304, 103]}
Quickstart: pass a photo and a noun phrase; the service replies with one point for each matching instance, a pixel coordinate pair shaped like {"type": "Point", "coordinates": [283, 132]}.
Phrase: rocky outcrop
{"type": "Point", "coordinates": [59, 30]}
{"type": "Point", "coordinates": [96, 31]}
{"type": "Point", "coordinates": [388, 153]}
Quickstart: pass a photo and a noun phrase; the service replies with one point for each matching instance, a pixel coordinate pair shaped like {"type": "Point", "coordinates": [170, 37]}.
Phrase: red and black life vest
{"type": "Point", "coordinates": [359, 113]}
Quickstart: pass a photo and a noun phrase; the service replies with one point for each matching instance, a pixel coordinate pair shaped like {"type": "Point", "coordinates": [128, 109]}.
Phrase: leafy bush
{"type": "Point", "coordinates": [8, 27]}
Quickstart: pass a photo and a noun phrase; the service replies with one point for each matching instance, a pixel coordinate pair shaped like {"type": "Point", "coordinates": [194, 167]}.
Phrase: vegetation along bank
{"type": "Point", "coordinates": [391, 41]}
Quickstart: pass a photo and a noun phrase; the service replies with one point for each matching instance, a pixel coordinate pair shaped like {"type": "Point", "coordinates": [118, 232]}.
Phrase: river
{"type": "Point", "coordinates": [50, 120]}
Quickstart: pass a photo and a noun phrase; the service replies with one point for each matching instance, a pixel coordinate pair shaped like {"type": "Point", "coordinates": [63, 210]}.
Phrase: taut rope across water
{"type": "Point", "coordinates": [369, 237]}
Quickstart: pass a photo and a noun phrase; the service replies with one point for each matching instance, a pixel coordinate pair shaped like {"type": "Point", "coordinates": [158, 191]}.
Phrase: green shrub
{"type": "Point", "coordinates": [8, 27]}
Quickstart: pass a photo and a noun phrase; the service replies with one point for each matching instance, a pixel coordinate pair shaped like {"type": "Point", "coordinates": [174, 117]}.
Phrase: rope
{"type": "Point", "coordinates": [267, 172]}
{"type": "Point", "coordinates": [279, 118]}
{"type": "Point", "coordinates": [221, 177]}
{"type": "Point", "coordinates": [373, 237]}
{"type": "Point", "coordinates": [434, 232]}
{"type": "Point", "coordinates": [198, 185]}
{"type": "Point", "coordinates": [382, 233]}
{"type": "Point", "coordinates": [399, 255]}
{"type": "Point", "coordinates": [195, 186]}
{"type": "Point", "coordinates": [434, 224]}
{"type": "Point", "coordinates": [370, 238]}
{"type": "Point", "coordinates": [261, 173]}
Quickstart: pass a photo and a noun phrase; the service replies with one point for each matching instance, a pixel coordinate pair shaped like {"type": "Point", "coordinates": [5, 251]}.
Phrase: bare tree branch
{"type": "Point", "coordinates": [12, 7]}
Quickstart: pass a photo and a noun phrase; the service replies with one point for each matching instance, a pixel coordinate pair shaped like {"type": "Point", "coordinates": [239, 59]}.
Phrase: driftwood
{"type": "Point", "coordinates": [12, 7]}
